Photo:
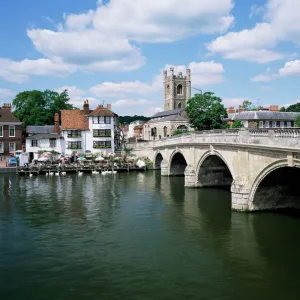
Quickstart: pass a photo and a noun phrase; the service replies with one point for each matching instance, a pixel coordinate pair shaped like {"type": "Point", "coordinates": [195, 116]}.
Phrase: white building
{"type": "Point", "coordinates": [80, 131]}
{"type": "Point", "coordinates": [131, 126]}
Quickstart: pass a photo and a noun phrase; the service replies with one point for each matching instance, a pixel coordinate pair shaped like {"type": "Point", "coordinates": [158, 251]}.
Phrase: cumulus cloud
{"type": "Point", "coordinates": [281, 23]}
{"type": "Point", "coordinates": [290, 68]}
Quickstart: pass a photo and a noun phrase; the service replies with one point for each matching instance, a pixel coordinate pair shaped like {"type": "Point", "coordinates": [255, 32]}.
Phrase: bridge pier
{"type": "Point", "coordinates": [164, 168]}
{"type": "Point", "coordinates": [190, 177]}
{"type": "Point", "coordinates": [240, 193]}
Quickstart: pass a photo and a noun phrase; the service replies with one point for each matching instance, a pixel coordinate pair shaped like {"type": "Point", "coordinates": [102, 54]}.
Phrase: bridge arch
{"type": "Point", "coordinates": [213, 170]}
{"type": "Point", "coordinates": [177, 163]}
{"type": "Point", "coordinates": [276, 187]}
{"type": "Point", "coordinates": [158, 158]}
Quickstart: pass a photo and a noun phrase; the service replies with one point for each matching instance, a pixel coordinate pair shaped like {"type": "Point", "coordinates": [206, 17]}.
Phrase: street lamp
{"type": "Point", "coordinates": [197, 90]}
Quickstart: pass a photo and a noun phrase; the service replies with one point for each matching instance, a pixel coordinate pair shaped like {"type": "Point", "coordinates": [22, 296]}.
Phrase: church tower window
{"type": "Point", "coordinates": [179, 105]}
{"type": "Point", "coordinates": [179, 89]}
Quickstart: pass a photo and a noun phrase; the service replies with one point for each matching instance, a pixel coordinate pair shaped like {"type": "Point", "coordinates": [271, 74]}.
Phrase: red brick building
{"type": "Point", "coordinates": [10, 131]}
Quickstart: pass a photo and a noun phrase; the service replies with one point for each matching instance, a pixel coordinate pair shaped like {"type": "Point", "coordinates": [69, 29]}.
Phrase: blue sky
{"type": "Point", "coordinates": [114, 51]}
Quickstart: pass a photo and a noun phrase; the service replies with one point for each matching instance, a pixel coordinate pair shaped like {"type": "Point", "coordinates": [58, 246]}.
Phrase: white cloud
{"type": "Point", "coordinates": [20, 71]}
{"type": "Point", "coordinates": [235, 102]}
{"type": "Point", "coordinates": [290, 68]}
{"type": "Point", "coordinates": [7, 94]}
{"type": "Point", "coordinates": [256, 10]}
{"type": "Point", "coordinates": [281, 23]}
{"type": "Point", "coordinates": [130, 102]}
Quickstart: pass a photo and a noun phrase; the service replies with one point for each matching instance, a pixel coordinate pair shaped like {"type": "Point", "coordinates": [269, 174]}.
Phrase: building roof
{"type": "Point", "coordinates": [138, 127]}
{"type": "Point", "coordinates": [102, 111]}
{"type": "Point", "coordinates": [174, 118]}
{"type": "Point", "coordinates": [40, 129]}
{"type": "Point", "coordinates": [42, 136]}
{"type": "Point", "coordinates": [168, 113]}
{"type": "Point", "coordinates": [74, 119]}
{"type": "Point", "coordinates": [264, 115]}
{"type": "Point", "coordinates": [6, 116]}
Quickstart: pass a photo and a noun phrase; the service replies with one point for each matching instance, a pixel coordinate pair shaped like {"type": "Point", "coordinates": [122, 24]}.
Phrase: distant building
{"type": "Point", "coordinates": [10, 131]}
{"type": "Point", "coordinates": [138, 131]}
{"type": "Point", "coordinates": [263, 118]}
{"type": "Point", "coordinates": [131, 127]}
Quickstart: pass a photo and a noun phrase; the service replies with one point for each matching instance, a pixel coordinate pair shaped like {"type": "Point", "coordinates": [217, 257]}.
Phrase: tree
{"type": "Point", "coordinates": [248, 106]}
{"type": "Point", "coordinates": [129, 119]}
{"type": "Point", "coordinates": [297, 121]}
{"type": "Point", "coordinates": [206, 111]}
{"type": "Point", "coordinates": [38, 108]}
{"type": "Point", "coordinates": [291, 108]}
{"type": "Point", "coordinates": [237, 124]}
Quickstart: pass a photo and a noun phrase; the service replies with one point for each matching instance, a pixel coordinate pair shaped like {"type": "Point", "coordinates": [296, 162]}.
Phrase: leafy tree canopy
{"type": "Point", "coordinates": [237, 124]}
{"type": "Point", "coordinates": [129, 119]}
{"type": "Point", "coordinates": [297, 121]}
{"type": "Point", "coordinates": [248, 106]}
{"type": "Point", "coordinates": [38, 108]}
{"type": "Point", "coordinates": [291, 108]}
{"type": "Point", "coordinates": [206, 111]}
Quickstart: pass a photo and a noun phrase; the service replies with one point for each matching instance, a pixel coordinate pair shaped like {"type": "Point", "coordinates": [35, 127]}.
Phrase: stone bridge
{"type": "Point", "coordinates": [261, 166]}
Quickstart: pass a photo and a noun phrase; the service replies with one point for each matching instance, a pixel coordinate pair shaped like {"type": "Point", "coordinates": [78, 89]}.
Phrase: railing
{"type": "Point", "coordinates": [73, 135]}
{"type": "Point", "coordinates": [277, 137]}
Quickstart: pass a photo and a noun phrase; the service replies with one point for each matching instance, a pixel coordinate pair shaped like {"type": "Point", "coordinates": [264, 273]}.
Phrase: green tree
{"type": "Point", "coordinates": [237, 124]}
{"type": "Point", "coordinates": [297, 121]}
{"type": "Point", "coordinates": [206, 111]}
{"type": "Point", "coordinates": [38, 108]}
{"type": "Point", "coordinates": [248, 106]}
{"type": "Point", "coordinates": [129, 119]}
{"type": "Point", "coordinates": [291, 108]}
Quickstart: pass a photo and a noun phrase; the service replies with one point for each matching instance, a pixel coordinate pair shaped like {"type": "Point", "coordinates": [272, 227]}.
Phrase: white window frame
{"type": "Point", "coordinates": [281, 124]}
{"type": "Point", "coordinates": [274, 124]}
{"type": "Point", "coordinates": [267, 125]}
{"type": "Point", "coordinates": [1, 147]}
{"type": "Point", "coordinates": [1, 130]}
{"type": "Point", "coordinates": [14, 147]}
{"type": "Point", "coordinates": [9, 127]}
{"type": "Point", "coordinates": [32, 143]}
{"type": "Point", "coordinates": [261, 124]}
{"type": "Point", "coordinates": [289, 124]}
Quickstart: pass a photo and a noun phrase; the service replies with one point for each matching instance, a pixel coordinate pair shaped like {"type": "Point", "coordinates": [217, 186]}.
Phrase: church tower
{"type": "Point", "coordinates": [177, 89]}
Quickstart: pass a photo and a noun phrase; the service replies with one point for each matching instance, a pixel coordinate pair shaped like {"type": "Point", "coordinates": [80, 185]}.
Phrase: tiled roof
{"type": "Point", "coordinates": [43, 136]}
{"type": "Point", "coordinates": [168, 113]}
{"type": "Point", "coordinates": [175, 118]}
{"type": "Point", "coordinates": [74, 119]}
{"type": "Point", "coordinates": [264, 115]}
{"type": "Point", "coordinates": [102, 111]}
{"type": "Point", "coordinates": [40, 129]}
{"type": "Point", "coordinates": [6, 116]}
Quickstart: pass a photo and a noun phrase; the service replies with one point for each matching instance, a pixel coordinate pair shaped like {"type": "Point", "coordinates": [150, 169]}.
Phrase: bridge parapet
{"type": "Point", "coordinates": [278, 137]}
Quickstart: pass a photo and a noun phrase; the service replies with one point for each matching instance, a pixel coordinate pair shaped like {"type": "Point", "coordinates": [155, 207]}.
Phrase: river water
{"type": "Point", "coordinates": [139, 236]}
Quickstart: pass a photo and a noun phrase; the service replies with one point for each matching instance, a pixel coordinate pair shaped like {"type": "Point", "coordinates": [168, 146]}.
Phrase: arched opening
{"type": "Point", "coordinates": [168, 89]}
{"type": "Point", "coordinates": [177, 165]}
{"type": "Point", "coordinates": [278, 190]}
{"type": "Point", "coordinates": [165, 131]}
{"type": "Point", "coordinates": [154, 132]}
{"type": "Point", "coordinates": [182, 127]}
{"type": "Point", "coordinates": [158, 159]}
{"type": "Point", "coordinates": [214, 172]}
{"type": "Point", "coordinates": [179, 105]}
{"type": "Point", "coordinates": [179, 89]}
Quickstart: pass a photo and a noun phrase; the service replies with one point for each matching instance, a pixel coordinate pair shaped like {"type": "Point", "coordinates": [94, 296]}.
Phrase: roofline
{"type": "Point", "coordinates": [10, 123]}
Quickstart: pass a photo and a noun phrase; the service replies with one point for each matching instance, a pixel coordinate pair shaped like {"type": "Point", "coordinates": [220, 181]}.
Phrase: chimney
{"type": "Point", "coordinates": [6, 106]}
{"type": "Point", "coordinates": [86, 107]}
{"type": "Point", "coordinates": [273, 108]}
{"type": "Point", "coordinates": [230, 110]}
{"type": "Point", "coordinates": [108, 106]}
{"type": "Point", "coordinates": [241, 108]}
{"type": "Point", "coordinates": [56, 123]}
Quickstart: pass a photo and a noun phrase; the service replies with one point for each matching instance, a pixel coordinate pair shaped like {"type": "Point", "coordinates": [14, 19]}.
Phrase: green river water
{"type": "Point", "coordinates": [139, 236]}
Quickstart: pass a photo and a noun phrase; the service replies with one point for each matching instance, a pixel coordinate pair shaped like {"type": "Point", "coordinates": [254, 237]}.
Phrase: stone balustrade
{"type": "Point", "coordinates": [277, 137]}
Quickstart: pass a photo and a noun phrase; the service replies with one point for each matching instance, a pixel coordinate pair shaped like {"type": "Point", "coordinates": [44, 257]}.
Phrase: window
{"type": "Point", "coordinates": [274, 124]}
{"type": "Point", "coordinates": [1, 131]}
{"type": "Point", "coordinates": [12, 147]}
{"type": "Point", "coordinates": [34, 143]}
{"type": "Point", "coordinates": [1, 147]}
{"type": "Point", "coordinates": [74, 133]}
{"type": "Point", "coordinates": [289, 124]}
{"type": "Point", "coordinates": [281, 124]}
{"type": "Point", "coordinates": [101, 120]}
{"type": "Point", "coordinates": [101, 132]}
{"type": "Point", "coordinates": [165, 131]}
{"type": "Point", "coordinates": [261, 124]}
{"type": "Point", "coordinates": [11, 131]}
{"type": "Point", "coordinates": [179, 105]}
{"type": "Point", "coordinates": [52, 143]}
{"type": "Point", "coordinates": [101, 144]}
{"type": "Point", "coordinates": [267, 124]}
{"type": "Point", "coordinates": [74, 145]}
{"type": "Point", "coordinates": [179, 89]}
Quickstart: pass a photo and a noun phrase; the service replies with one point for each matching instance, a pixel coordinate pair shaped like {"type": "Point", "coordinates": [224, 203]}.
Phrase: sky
{"type": "Point", "coordinates": [114, 51]}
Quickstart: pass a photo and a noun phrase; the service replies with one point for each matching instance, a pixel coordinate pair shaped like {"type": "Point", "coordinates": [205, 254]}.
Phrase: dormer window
{"type": "Point", "coordinates": [179, 89]}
